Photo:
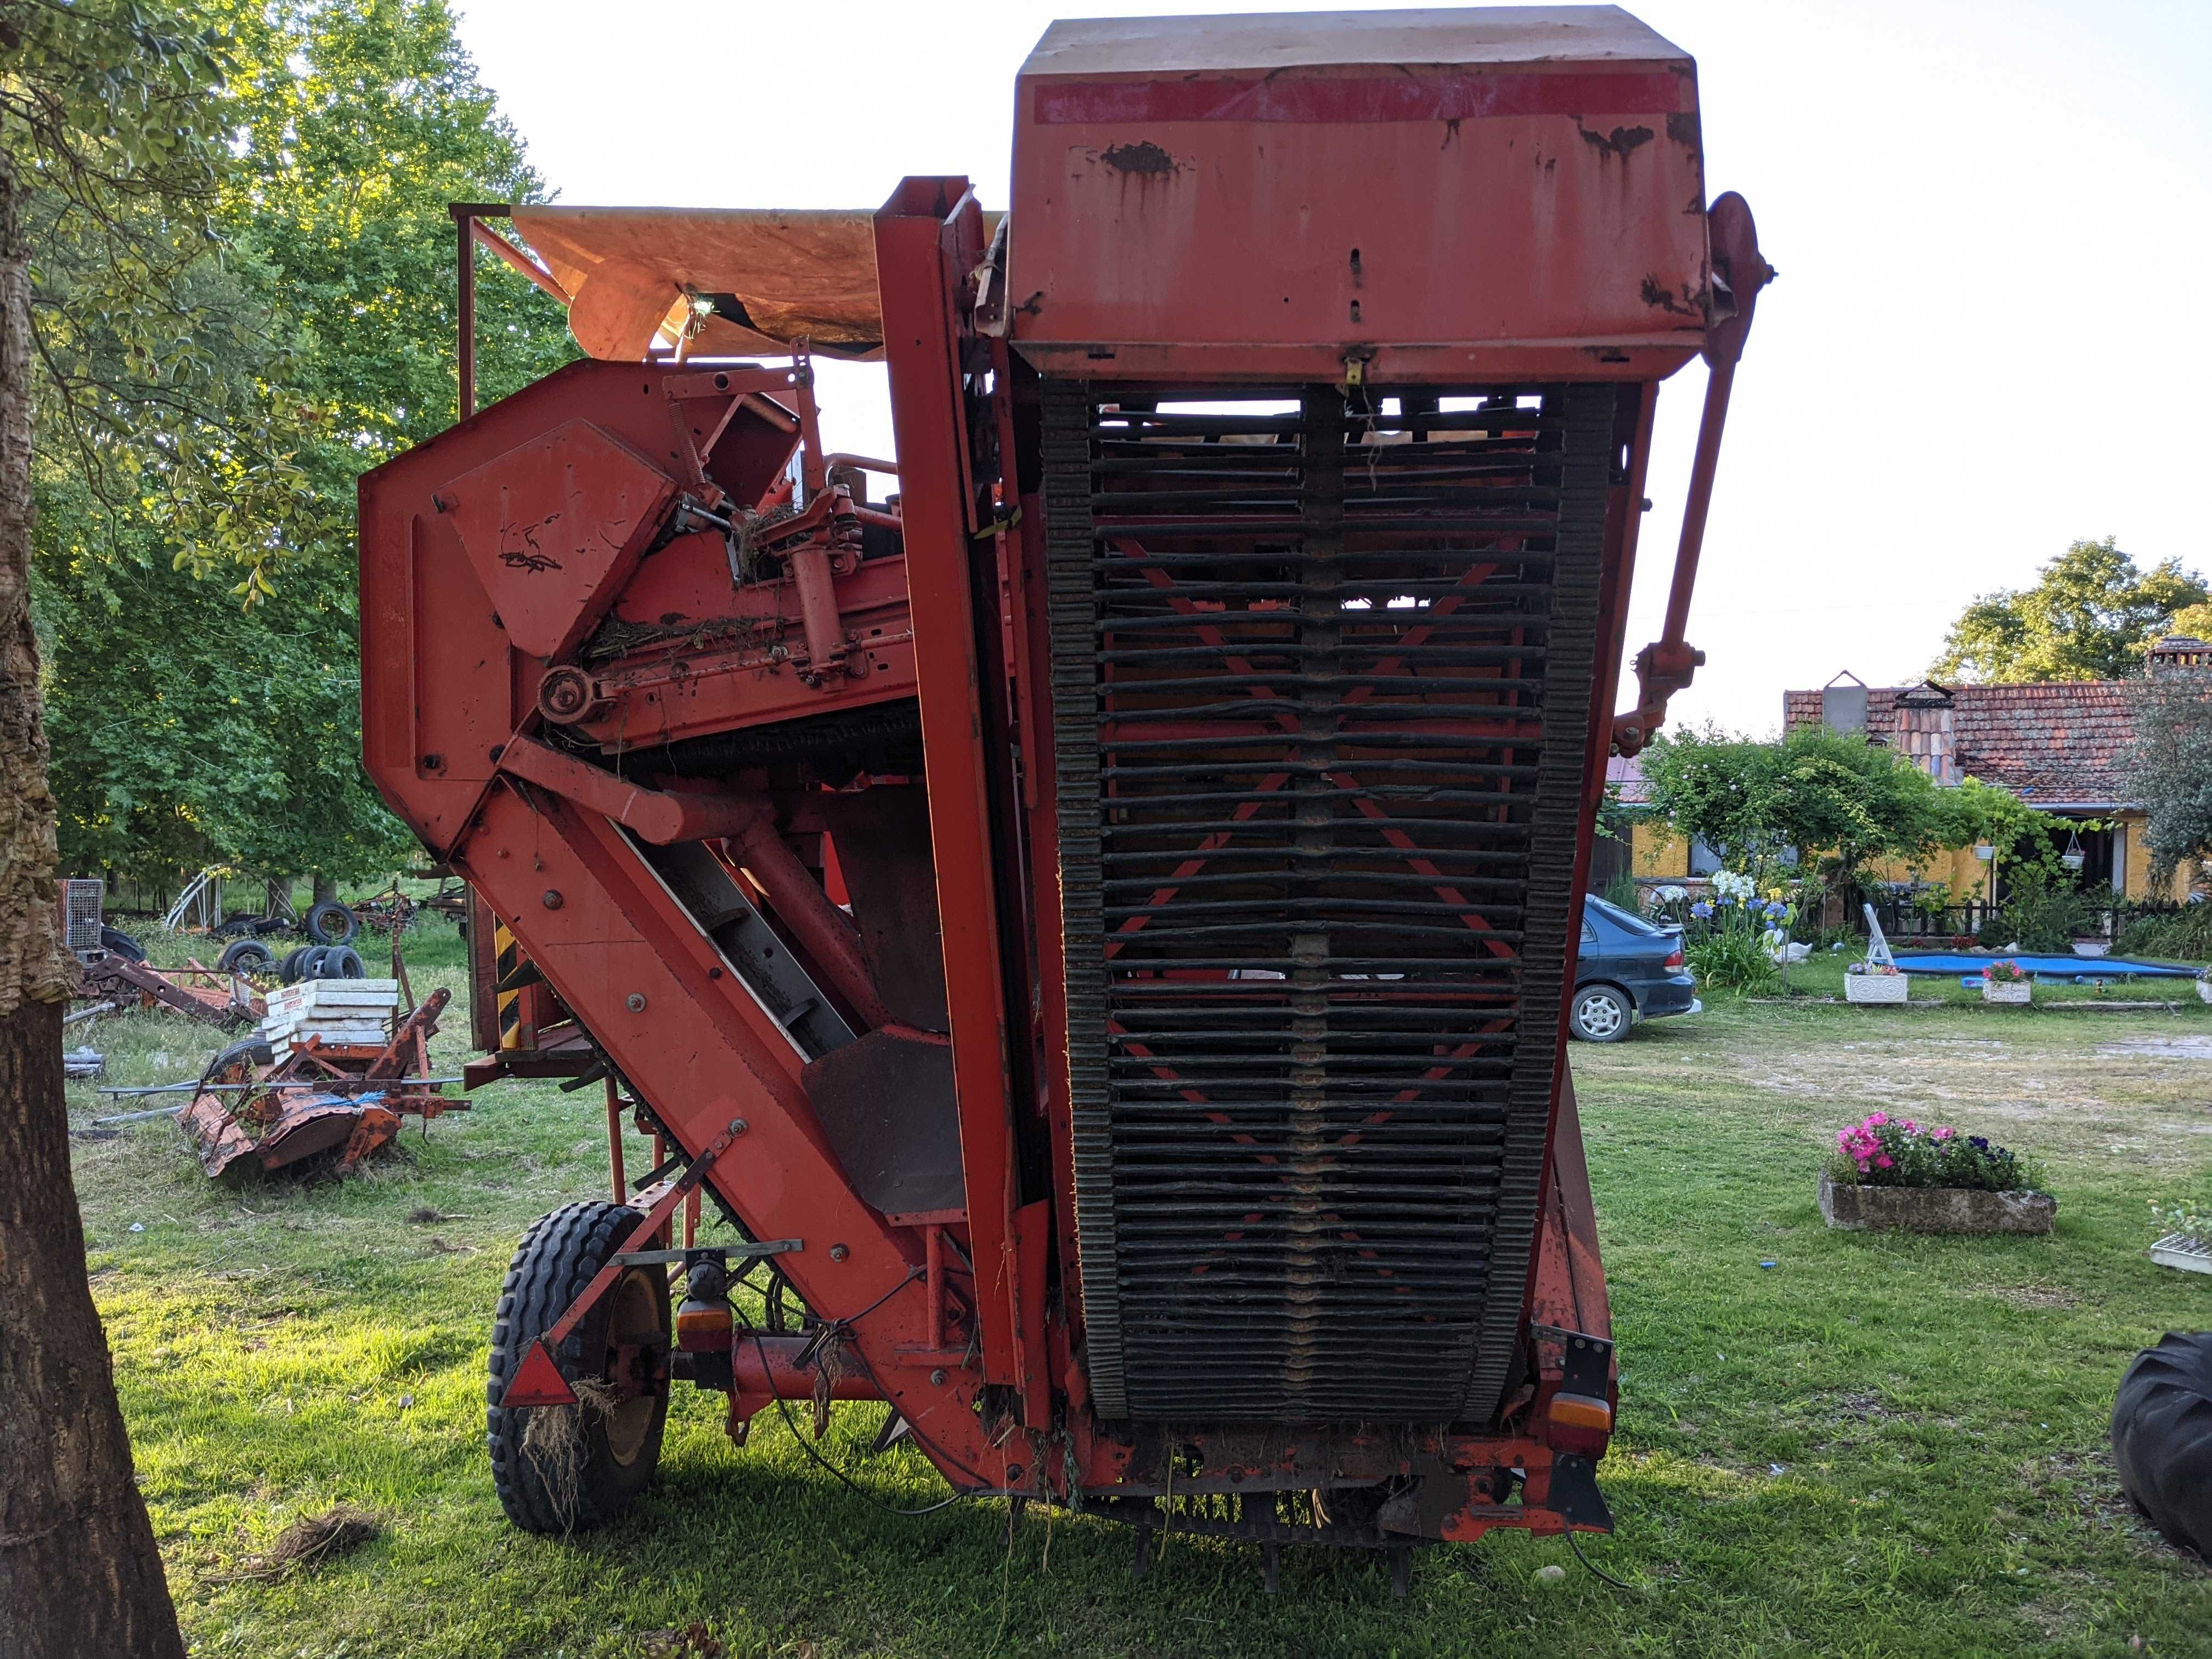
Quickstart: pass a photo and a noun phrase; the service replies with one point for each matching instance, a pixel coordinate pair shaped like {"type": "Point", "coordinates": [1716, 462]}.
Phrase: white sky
{"type": "Point", "coordinates": [1993, 223]}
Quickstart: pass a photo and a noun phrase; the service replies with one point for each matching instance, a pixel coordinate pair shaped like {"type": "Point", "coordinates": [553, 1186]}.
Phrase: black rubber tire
{"type": "Point", "coordinates": [330, 923]}
{"type": "Point", "coordinates": [2162, 1439]}
{"type": "Point", "coordinates": [341, 962]}
{"type": "Point", "coordinates": [311, 961]}
{"type": "Point", "coordinates": [556, 1258]}
{"type": "Point", "coordinates": [122, 945]}
{"type": "Point", "coordinates": [291, 969]}
{"type": "Point", "coordinates": [246, 956]}
{"type": "Point", "coordinates": [1600, 1013]}
{"type": "Point", "coordinates": [237, 1063]}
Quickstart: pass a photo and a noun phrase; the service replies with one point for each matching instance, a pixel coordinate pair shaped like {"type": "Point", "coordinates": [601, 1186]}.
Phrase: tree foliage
{"type": "Point", "coordinates": [1830, 795]}
{"type": "Point", "coordinates": [106, 143]}
{"type": "Point", "coordinates": [318, 321]}
{"type": "Point", "coordinates": [2169, 769]}
{"type": "Point", "coordinates": [2092, 615]}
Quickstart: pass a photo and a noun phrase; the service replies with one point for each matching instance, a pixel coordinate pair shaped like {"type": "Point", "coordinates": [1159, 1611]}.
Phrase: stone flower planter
{"type": "Point", "coordinates": [1875, 988]}
{"type": "Point", "coordinates": [1936, 1209]}
{"type": "Point", "coordinates": [2014, 990]}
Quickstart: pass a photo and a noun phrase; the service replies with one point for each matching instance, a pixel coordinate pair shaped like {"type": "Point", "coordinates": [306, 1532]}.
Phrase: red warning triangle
{"type": "Point", "coordinates": [537, 1382]}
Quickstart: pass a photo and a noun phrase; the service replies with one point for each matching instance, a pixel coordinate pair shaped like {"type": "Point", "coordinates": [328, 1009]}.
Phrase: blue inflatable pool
{"type": "Point", "coordinates": [2066, 967]}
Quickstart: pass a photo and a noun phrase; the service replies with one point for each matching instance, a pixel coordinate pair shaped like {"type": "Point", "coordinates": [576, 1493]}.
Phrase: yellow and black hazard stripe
{"type": "Point", "coordinates": [507, 958]}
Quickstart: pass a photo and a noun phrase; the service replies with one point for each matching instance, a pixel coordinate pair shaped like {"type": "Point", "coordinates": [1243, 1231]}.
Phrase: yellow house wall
{"type": "Point", "coordinates": [2138, 863]}
{"type": "Point", "coordinates": [1657, 851]}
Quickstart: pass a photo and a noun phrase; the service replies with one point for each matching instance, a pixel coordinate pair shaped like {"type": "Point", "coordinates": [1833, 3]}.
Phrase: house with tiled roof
{"type": "Point", "coordinates": [2061, 746]}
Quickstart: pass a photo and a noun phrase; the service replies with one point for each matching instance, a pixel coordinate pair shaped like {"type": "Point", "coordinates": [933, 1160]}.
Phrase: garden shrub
{"type": "Point", "coordinates": [2184, 933]}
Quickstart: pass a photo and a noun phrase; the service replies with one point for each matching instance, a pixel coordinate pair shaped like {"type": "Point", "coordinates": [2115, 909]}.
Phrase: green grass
{"type": "Point", "coordinates": [1880, 1445]}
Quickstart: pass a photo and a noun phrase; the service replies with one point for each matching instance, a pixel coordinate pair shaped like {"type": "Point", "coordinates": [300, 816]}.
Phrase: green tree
{"type": "Point", "coordinates": [187, 730]}
{"type": "Point", "coordinates": [1840, 800]}
{"type": "Point", "coordinates": [2092, 615]}
{"type": "Point", "coordinates": [108, 140]}
{"type": "Point", "coordinates": [2169, 767]}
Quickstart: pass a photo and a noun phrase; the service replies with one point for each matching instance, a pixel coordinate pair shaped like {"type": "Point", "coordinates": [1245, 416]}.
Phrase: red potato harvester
{"type": "Point", "coordinates": [1096, 922]}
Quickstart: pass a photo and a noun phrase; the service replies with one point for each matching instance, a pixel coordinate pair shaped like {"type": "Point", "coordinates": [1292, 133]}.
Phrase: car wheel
{"type": "Point", "coordinates": [1598, 1013]}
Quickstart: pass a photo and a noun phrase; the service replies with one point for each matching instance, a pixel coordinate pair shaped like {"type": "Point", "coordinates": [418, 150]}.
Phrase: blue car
{"type": "Point", "coordinates": [1628, 971]}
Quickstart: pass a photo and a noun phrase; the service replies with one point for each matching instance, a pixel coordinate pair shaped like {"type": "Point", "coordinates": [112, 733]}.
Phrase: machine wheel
{"type": "Point", "coordinates": [246, 956]}
{"type": "Point", "coordinates": [1600, 1013]}
{"type": "Point", "coordinates": [341, 962]}
{"type": "Point", "coordinates": [122, 945]}
{"type": "Point", "coordinates": [2162, 1438]}
{"type": "Point", "coordinates": [330, 923]}
{"type": "Point", "coordinates": [572, 1468]}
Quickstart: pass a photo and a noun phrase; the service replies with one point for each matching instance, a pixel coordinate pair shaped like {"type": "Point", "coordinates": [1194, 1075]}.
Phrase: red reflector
{"type": "Point", "coordinates": [1674, 961]}
{"type": "Point", "coordinates": [704, 1326]}
{"type": "Point", "coordinates": [1582, 1411]}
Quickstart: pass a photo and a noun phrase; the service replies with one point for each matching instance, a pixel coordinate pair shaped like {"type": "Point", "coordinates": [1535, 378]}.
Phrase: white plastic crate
{"type": "Point", "coordinates": [2191, 1255]}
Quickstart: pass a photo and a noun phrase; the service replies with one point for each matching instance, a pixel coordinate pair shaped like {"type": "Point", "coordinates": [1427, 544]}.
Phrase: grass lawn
{"type": "Point", "coordinates": [1877, 1445]}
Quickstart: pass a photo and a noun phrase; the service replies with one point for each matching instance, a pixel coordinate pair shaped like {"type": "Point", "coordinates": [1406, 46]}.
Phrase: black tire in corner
{"type": "Point", "coordinates": [330, 923]}
{"type": "Point", "coordinates": [584, 1467]}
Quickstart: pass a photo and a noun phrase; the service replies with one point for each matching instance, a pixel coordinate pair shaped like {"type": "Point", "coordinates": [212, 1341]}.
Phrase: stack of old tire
{"type": "Point", "coordinates": [329, 924]}
{"type": "Point", "coordinates": [2162, 1439]}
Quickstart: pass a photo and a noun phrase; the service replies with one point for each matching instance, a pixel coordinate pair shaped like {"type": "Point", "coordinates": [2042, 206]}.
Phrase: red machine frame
{"type": "Point", "coordinates": [967, 1322]}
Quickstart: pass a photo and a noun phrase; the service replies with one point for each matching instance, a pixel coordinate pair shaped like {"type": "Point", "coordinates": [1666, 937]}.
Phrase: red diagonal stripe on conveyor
{"type": "Point", "coordinates": [1133, 551]}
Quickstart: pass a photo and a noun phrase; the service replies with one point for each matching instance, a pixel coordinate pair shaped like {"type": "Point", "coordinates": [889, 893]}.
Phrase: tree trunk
{"type": "Point", "coordinates": [79, 1572]}
{"type": "Point", "coordinates": [326, 888]}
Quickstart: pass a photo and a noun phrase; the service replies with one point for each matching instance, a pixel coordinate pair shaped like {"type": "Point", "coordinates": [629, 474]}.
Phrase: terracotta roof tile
{"type": "Point", "coordinates": [2064, 742]}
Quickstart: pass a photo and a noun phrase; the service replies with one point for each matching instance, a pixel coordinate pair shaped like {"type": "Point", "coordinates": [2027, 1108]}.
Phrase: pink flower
{"type": "Point", "coordinates": [1943, 1133]}
{"type": "Point", "coordinates": [1910, 1127]}
{"type": "Point", "coordinates": [1884, 1161]}
{"type": "Point", "coordinates": [1875, 1120]}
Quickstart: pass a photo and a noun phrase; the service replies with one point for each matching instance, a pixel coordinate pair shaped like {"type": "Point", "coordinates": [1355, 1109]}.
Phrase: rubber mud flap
{"type": "Point", "coordinates": [1574, 1492]}
{"type": "Point", "coordinates": [2162, 1438]}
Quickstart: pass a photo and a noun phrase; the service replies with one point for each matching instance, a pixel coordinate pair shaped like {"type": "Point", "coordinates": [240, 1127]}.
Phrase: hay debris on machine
{"type": "Point", "coordinates": [1098, 921]}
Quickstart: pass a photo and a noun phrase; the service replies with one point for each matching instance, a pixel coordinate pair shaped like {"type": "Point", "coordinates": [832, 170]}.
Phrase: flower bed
{"type": "Point", "coordinates": [2007, 981]}
{"type": "Point", "coordinates": [1892, 1173]}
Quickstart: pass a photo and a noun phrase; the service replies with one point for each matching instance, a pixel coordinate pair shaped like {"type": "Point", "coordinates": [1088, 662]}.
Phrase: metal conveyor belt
{"type": "Point", "coordinates": [1322, 692]}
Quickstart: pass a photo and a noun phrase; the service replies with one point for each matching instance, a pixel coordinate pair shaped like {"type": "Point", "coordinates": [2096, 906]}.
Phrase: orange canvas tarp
{"type": "Point", "coordinates": [772, 276]}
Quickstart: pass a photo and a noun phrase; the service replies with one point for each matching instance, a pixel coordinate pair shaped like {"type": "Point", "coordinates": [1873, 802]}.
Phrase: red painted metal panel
{"type": "Point", "coordinates": [1515, 197]}
{"type": "Point", "coordinates": [1322, 99]}
{"type": "Point", "coordinates": [554, 528]}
